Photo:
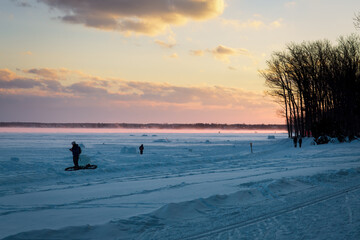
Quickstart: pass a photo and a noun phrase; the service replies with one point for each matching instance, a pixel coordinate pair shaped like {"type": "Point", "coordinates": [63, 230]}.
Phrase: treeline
{"type": "Point", "coordinates": [147, 125]}
{"type": "Point", "coordinates": [318, 86]}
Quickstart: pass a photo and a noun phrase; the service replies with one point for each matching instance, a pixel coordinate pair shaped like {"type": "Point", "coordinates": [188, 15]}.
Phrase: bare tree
{"type": "Point", "coordinates": [318, 86]}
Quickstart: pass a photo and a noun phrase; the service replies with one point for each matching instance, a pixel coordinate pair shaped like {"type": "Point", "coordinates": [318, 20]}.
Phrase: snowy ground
{"type": "Point", "coordinates": [185, 186]}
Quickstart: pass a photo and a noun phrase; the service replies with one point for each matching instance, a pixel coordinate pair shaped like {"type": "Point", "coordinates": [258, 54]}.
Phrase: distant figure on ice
{"type": "Point", "coordinates": [300, 141]}
{"type": "Point", "coordinates": [141, 148]}
{"type": "Point", "coordinates": [295, 141]}
{"type": "Point", "coordinates": [76, 151]}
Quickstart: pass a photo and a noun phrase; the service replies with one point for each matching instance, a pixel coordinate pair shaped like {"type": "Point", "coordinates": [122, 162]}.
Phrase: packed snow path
{"type": "Point", "coordinates": [292, 210]}
{"type": "Point", "coordinates": [185, 186]}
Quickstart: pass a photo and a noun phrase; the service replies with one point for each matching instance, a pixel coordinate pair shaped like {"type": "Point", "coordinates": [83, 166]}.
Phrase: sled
{"type": "Point", "coordinates": [89, 166]}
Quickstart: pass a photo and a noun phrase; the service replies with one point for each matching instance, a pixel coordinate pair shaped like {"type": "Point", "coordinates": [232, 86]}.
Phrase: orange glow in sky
{"type": "Point", "coordinates": [142, 61]}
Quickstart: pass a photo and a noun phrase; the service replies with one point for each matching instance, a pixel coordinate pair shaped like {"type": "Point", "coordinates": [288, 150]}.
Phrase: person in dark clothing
{"type": "Point", "coordinates": [295, 141]}
{"type": "Point", "coordinates": [76, 151]}
{"type": "Point", "coordinates": [300, 141]}
{"type": "Point", "coordinates": [141, 148]}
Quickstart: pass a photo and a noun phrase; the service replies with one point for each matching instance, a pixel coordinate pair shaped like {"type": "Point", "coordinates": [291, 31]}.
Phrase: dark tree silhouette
{"type": "Point", "coordinates": [318, 87]}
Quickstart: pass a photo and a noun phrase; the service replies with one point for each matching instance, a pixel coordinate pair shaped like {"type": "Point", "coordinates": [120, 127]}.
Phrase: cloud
{"type": "Point", "coordinates": [135, 16]}
{"type": "Point", "coordinates": [19, 83]}
{"type": "Point", "coordinates": [87, 88]}
{"type": "Point", "coordinates": [128, 91]}
{"type": "Point", "coordinates": [6, 75]}
{"type": "Point", "coordinates": [62, 74]}
{"type": "Point", "coordinates": [53, 86]}
{"type": "Point", "coordinates": [197, 52]}
{"type": "Point", "coordinates": [164, 44]}
{"type": "Point", "coordinates": [223, 53]}
{"type": "Point", "coordinates": [9, 80]}
{"type": "Point", "coordinates": [95, 99]}
{"type": "Point", "coordinates": [43, 72]}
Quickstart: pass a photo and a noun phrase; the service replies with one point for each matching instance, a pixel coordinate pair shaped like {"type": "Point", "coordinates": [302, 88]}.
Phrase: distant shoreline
{"type": "Point", "coordinates": [145, 126]}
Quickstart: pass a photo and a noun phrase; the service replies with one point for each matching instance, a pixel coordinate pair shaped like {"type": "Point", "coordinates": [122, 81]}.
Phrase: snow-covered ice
{"type": "Point", "coordinates": [184, 186]}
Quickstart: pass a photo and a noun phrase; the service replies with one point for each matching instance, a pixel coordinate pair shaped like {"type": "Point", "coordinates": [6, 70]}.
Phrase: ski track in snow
{"type": "Point", "coordinates": [191, 176]}
{"type": "Point", "coordinates": [274, 214]}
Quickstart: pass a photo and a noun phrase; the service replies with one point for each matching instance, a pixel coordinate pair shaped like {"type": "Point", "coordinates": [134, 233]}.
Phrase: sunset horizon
{"type": "Point", "coordinates": [179, 119]}
{"type": "Point", "coordinates": [176, 61]}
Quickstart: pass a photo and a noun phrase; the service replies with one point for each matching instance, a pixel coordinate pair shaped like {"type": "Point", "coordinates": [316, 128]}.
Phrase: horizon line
{"type": "Point", "coordinates": [142, 125]}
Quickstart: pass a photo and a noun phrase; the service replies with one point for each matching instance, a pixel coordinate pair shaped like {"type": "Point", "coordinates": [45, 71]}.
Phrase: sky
{"type": "Point", "coordinates": [158, 61]}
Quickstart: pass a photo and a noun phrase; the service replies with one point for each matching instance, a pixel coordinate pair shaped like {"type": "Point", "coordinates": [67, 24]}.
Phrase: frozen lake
{"type": "Point", "coordinates": [181, 184]}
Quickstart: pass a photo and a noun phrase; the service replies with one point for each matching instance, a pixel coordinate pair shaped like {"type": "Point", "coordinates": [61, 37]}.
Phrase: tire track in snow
{"type": "Point", "coordinates": [11, 210]}
{"type": "Point", "coordinates": [85, 201]}
{"type": "Point", "coordinates": [272, 214]}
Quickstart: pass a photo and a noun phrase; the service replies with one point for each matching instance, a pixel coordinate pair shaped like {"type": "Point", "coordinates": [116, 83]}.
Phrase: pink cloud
{"type": "Point", "coordinates": [122, 101]}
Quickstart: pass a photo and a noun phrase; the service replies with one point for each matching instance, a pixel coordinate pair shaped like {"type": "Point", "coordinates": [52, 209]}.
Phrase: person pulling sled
{"type": "Point", "coordinates": [76, 151]}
